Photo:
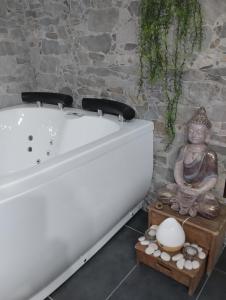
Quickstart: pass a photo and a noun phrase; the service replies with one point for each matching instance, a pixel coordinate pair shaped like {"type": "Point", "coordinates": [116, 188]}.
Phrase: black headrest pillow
{"type": "Point", "coordinates": [49, 98]}
{"type": "Point", "coordinates": [109, 107]}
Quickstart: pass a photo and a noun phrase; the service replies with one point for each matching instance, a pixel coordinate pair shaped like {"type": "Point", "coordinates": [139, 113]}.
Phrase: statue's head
{"type": "Point", "coordinates": [199, 127]}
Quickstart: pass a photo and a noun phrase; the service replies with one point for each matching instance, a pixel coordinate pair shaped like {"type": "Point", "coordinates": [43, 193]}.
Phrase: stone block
{"type": "Point", "coordinates": [22, 60]}
{"type": "Point", "coordinates": [47, 82]}
{"type": "Point", "coordinates": [31, 14]}
{"type": "Point", "coordinates": [53, 47]}
{"type": "Point", "coordinates": [165, 173]}
{"type": "Point", "coordinates": [218, 138]}
{"type": "Point", "coordinates": [96, 57]}
{"type": "Point", "coordinates": [83, 58]}
{"type": "Point", "coordinates": [102, 20]}
{"type": "Point", "coordinates": [221, 30]}
{"type": "Point", "coordinates": [193, 75]}
{"type": "Point", "coordinates": [127, 33]}
{"type": "Point", "coordinates": [212, 10]}
{"type": "Point", "coordinates": [7, 48]}
{"type": "Point", "coordinates": [49, 64]}
{"type": "Point", "coordinates": [130, 46]}
{"type": "Point", "coordinates": [34, 5]}
{"type": "Point", "coordinates": [62, 32]}
{"type": "Point", "coordinates": [100, 71]}
{"type": "Point", "coordinates": [184, 113]}
{"type": "Point", "coordinates": [17, 34]}
{"type": "Point", "coordinates": [101, 3]}
{"type": "Point", "coordinates": [7, 79]}
{"type": "Point", "coordinates": [91, 82]}
{"type": "Point", "coordinates": [216, 78]}
{"type": "Point", "coordinates": [51, 35]}
{"type": "Point", "coordinates": [218, 149]}
{"type": "Point", "coordinates": [3, 8]}
{"type": "Point", "coordinates": [69, 77]}
{"type": "Point", "coordinates": [97, 43]}
{"type": "Point", "coordinates": [159, 128]}
{"type": "Point", "coordinates": [46, 21]}
{"type": "Point", "coordinates": [223, 126]}
{"type": "Point", "coordinates": [207, 37]}
{"type": "Point", "coordinates": [87, 3]}
{"type": "Point", "coordinates": [7, 66]}
{"type": "Point", "coordinates": [221, 71]}
{"type": "Point", "coordinates": [200, 93]}
{"type": "Point", "coordinates": [215, 43]}
{"type": "Point", "coordinates": [87, 92]}
{"type": "Point", "coordinates": [10, 100]}
{"type": "Point", "coordinates": [160, 159]}
{"type": "Point", "coordinates": [217, 112]}
{"type": "Point", "coordinates": [3, 32]}
{"type": "Point", "coordinates": [134, 8]}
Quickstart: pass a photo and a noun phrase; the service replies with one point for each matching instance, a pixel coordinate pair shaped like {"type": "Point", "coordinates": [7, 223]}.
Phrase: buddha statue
{"type": "Point", "coordinates": [195, 173]}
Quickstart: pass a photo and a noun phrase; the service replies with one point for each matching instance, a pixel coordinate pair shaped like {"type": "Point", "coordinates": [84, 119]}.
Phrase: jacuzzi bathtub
{"type": "Point", "coordinates": [67, 184]}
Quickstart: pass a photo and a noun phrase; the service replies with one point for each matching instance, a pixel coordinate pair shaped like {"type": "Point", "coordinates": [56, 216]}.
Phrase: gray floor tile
{"type": "Point", "coordinates": [147, 284]}
{"type": "Point", "coordinates": [98, 277]}
{"type": "Point", "coordinates": [139, 221]}
{"type": "Point", "coordinates": [215, 288]}
{"type": "Point", "coordinates": [221, 264]}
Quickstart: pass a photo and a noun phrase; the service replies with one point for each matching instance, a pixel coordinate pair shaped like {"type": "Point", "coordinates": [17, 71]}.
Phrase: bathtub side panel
{"type": "Point", "coordinates": [56, 223]}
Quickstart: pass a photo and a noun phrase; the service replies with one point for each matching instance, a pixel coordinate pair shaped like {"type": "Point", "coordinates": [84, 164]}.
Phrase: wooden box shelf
{"type": "Point", "coordinates": [209, 234]}
{"type": "Point", "coordinates": [190, 279]}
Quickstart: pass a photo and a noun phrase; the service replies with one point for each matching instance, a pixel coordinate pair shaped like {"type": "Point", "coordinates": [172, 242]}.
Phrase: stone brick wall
{"type": "Point", "coordinates": [16, 72]}
{"type": "Point", "coordinates": [204, 84]}
{"type": "Point", "coordinates": [89, 48]}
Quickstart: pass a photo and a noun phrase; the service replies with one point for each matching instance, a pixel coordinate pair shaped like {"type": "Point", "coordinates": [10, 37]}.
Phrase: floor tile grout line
{"type": "Point", "coordinates": [121, 282]}
{"type": "Point", "coordinates": [134, 229]}
{"type": "Point", "coordinates": [202, 288]}
{"type": "Point", "coordinates": [221, 271]}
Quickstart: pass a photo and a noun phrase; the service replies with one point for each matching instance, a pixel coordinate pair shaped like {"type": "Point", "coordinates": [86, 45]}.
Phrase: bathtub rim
{"type": "Point", "coordinates": [18, 183]}
{"type": "Point", "coordinates": [128, 131]}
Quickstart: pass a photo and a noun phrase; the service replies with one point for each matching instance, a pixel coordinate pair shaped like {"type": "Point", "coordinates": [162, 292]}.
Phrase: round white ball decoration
{"type": "Point", "coordinates": [170, 235]}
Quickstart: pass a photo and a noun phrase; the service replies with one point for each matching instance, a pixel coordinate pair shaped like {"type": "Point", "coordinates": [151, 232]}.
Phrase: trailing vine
{"type": "Point", "coordinates": [170, 31]}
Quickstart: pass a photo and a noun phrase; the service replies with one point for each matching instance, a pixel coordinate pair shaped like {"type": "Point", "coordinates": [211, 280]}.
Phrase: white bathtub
{"type": "Point", "coordinates": [67, 184]}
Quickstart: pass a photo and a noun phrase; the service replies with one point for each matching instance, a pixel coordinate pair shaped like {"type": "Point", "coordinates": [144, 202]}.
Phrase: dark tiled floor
{"type": "Point", "coordinates": [139, 222]}
{"type": "Point", "coordinates": [112, 274]}
{"type": "Point", "coordinates": [221, 264]}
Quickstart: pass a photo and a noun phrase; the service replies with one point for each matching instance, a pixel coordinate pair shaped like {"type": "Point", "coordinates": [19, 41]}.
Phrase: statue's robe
{"type": "Point", "coordinates": [201, 169]}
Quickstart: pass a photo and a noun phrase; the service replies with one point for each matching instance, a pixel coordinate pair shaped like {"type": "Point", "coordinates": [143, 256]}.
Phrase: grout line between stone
{"type": "Point", "coordinates": [121, 282]}
{"type": "Point", "coordinates": [202, 288]}
{"type": "Point", "coordinates": [134, 229]}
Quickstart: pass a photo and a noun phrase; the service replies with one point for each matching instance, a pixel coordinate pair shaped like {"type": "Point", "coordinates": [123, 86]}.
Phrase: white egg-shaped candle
{"type": "Point", "coordinates": [170, 235]}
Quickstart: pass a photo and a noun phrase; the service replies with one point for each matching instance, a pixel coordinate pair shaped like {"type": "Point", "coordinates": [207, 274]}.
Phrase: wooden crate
{"type": "Point", "coordinates": [209, 234]}
{"type": "Point", "coordinates": [190, 279]}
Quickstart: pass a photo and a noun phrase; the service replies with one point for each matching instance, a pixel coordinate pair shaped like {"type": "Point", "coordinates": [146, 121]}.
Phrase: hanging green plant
{"type": "Point", "coordinates": [170, 31]}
